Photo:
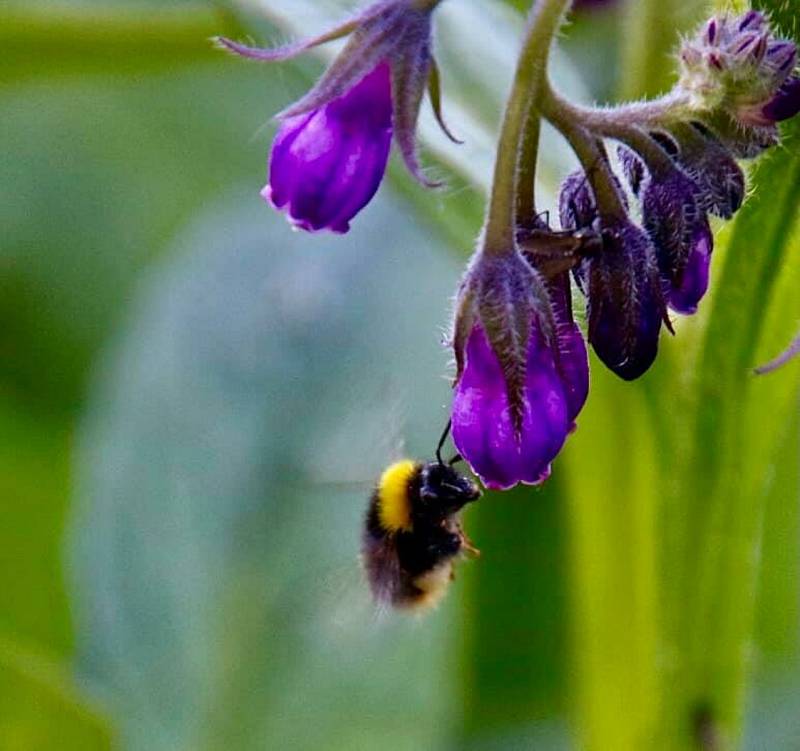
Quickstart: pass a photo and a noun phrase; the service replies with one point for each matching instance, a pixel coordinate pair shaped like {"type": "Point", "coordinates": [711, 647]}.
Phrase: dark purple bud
{"type": "Point", "coordinates": [785, 103]}
{"type": "Point", "coordinates": [327, 164]}
{"type": "Point", "coordinates": [573, 361]}
{"type": "Point", "coordinates": [782, 55]}
{"type": "Point", "coordinates": [503, 451]}
{"type": "Point", "coordinates": [671, 216]}
{"type": "Point", "coordinates": [686, 295]}
{"type": "Point", "coordinates": [712, 32]}
{"type": "Point", "coordinates": [751, 20]}
{"type": "Point", "coordinates": [625, 301]}
{"type": "Point", "coordinates": [632, 167]}
{"type": "Point", "coordinates": [744, 43]}
{"type": "Point", "coordinates": [719, 179]}
{"type": "Point", "coordinates": [716, 61]}
{"type": "Point", "coordinates": [576, 206]}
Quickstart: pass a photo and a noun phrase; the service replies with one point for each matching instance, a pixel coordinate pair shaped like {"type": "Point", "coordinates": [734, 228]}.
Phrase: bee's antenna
{"type": "Point", "coordinates": [445, 433]}
{"type": "Point", "coordinates": [456, 459]}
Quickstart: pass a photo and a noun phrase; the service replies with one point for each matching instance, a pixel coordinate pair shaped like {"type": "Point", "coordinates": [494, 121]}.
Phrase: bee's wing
{"type": "Point", "coordinates": [362, 443]}
{"type": "Point", "coordinates": [382, 566]}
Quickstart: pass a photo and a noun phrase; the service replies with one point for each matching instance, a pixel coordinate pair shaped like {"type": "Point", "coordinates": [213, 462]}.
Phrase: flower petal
{"type": "Point", "coordinates": [483, 429]}
{"type": "Point", "coordinates": [326, 165]}
{"type": "Point", "coordinates": [685, 297]}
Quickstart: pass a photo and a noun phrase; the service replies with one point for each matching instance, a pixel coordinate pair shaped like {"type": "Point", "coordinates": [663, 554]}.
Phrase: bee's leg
{"type": "Point", "coordinates": [466, 544]}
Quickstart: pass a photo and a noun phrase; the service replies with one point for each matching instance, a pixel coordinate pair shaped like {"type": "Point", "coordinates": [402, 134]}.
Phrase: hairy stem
{"type": "Point", "coordinates": [589, 151]}
{"type": "Point", "coordinates": [526, 179]}
{"type": "Point", "coordinates": [543, 22]}
{"type": "Point", "coordinates": [673, 107]}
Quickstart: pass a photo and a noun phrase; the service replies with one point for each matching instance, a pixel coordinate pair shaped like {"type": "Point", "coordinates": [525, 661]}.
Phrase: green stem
{"type": "Point", "coordinates": [589, 151]}
{"type": "Point", "coordinates": [543, 22]}
{"type": "Point", "coordinates": [673, 107]}
{"type": "Point", "coordinates": [616, 122]}
{"type": "Point", "coordinates": [526, 180]}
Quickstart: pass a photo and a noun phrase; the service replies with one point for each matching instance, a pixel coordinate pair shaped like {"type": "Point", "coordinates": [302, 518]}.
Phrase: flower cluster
{"type": "Point", "coordinates": [637, 242]}
{"type": "Point", "coordinates": [678, 156]}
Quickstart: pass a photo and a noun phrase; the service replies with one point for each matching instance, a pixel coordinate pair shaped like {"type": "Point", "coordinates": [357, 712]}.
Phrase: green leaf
{"type": "Point", "coordinates": [216, 548]}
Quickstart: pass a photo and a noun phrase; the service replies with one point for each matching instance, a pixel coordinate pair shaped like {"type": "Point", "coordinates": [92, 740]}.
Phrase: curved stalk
{"type": "Point", "coordinates": [589, 151]}
{"type": "Point", "coordinates": [543, 22]}
{"type": "Point", "coordinates": [526, 178]}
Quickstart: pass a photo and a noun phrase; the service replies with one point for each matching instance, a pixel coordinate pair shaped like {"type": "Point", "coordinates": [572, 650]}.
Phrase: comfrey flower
{"type": "Point", "coordinates": [522, 372]}
{"type": "Point", "coordinates": [625, 295]}
{"type": "Point", "coordinates": [678, 154]}
{"type": "Point", "coordinates": [331, 150]}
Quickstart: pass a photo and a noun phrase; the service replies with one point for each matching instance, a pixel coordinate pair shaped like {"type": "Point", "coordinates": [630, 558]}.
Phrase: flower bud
{"type": "Point", "coordinates": [719, 180]}
{"type": "Point", "coordinates": [693, 283]}
{"type": "Point", "coordinates": [576, 205]}
{"type": "Point", "coordinates": [625, 302]}
{"type": "Point", "coordinates": [785, 103]}
{"type": "Point", "coordinates": [736, 64]}
{"type": "Point", "coordinates": [671, 216]}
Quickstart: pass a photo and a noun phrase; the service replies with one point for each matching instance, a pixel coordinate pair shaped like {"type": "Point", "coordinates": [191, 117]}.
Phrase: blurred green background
{"type": "Point", "coordinates": [194, 401]}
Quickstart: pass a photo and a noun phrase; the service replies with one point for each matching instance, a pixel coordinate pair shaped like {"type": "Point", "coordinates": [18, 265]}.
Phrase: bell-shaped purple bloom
{"type": "Point", "coordinates": [502, 450]}
{"type": "Point", "coordinates": [331, 151]}
{"type": "Point", "coordinates": [572, 358]}
{"type": "Point", "coordinates": [326, 165]}
{"type": "Point", "coordinates": [685, 296]}
{"type": "Point", "coordinates": [625, 301]}
{"type": "Point", "coordinates": [522, 370]}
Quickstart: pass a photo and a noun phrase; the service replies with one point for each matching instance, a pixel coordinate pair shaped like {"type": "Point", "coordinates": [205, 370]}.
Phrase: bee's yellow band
{"type": "Point", "coordinates": [394, 506]}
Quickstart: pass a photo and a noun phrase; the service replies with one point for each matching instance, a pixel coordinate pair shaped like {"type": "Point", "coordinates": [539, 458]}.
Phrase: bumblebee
{"type": "Point", "coordinates": [412, 532]}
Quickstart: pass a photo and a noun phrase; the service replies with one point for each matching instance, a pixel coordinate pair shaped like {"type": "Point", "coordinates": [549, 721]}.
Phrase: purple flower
{"type": "Point", "coordinates": [573, 360]}
{"type": "Point", "coordinates": [326, 165]}
{"type": "Point", "coordinates": [331, 151]}
{"type": "Point", "coordinates": [504, 448]}
{"type": "Point", "coordinates": [673, 219]}
{"type": "Point", "coordinates": [785, 103]}
{"type": "Point", "coordinates": [625, 301]}
{"type": "Point", "coordinates": [685, 296]}
{"type": "Point", "coordinates": [709, 163]}
{"type": "Point", "coordinates": [522, 371]}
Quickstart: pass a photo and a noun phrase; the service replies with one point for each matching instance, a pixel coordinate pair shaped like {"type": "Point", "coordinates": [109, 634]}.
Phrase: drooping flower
{"type": "Point", "coordinates": [674, 221]}
{"type": "Point", "coordinates": [685, 295]}
{"type": "Point", "coordinates": [326, 165]}
{"type": "Point", "coordinates": [676, 188]}
{"type": "Point", "coordinates": [624, 291]}
{"type": "Point", "coordinates": [625, 301]}
{"type": "Point", "coordinates": [331, 151]}
{"type": "Point", "coordinates": [706, 160]}
{"type": "Point", "coordinates": [522, 376]}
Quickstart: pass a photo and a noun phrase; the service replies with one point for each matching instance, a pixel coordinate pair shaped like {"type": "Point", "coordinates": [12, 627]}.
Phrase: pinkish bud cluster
{"type": "Point", "coordinates": [736, 63]}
